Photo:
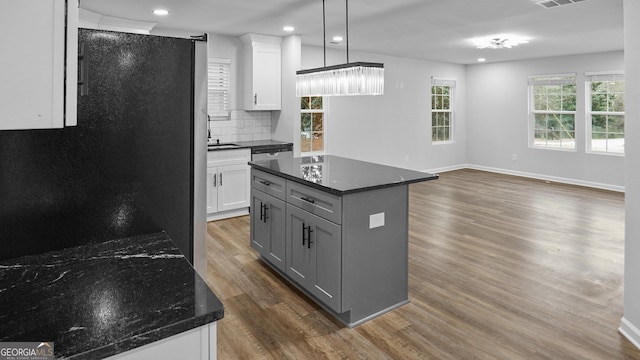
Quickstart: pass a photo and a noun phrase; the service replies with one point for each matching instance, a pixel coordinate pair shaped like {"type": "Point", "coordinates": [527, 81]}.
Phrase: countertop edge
{"type": "Point", "coordinates": [149, 337]}
{"type": "Point", "coordinates": [253, 145]}
{"type": "Point", "coordinates": [428, 177]}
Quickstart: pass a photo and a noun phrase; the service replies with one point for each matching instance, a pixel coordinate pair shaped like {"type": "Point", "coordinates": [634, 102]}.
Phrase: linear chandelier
{"type": "Point", "coordinates": [358, 78]}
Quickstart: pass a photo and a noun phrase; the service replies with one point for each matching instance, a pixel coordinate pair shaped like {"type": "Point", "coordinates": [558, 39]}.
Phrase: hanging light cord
{"type": "Point", "coordinates": [347, 22]}
{"type": "Point", "coordinates": [324, 35]}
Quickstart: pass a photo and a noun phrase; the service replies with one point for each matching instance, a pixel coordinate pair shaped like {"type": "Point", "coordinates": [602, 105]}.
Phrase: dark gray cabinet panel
{"type": "Point", "coordinates": [315, 201]}
{"type": "Point", "coordinates": [268, 227]}
{"type": "Point", "coordinates": [268, 183]}
{"type": "Point", "coordinates": [315, 255]}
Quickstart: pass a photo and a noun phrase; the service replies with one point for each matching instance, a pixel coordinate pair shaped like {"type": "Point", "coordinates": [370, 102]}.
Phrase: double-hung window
{"type": "Point", "coordinates": [605, 112]}
{"type": "Point", "coordinates": [312, 124]}
{"type": "Point", "coordinates": [442, 110]}
{"type": "Point", "coordinates": [552, 111]}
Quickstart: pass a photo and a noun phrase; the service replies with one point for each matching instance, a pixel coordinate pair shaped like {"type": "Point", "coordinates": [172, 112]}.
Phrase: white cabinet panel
{"type": "Point", "coordinates": [262, 72]}
{"type": "Point", "coordinates": [228, 183]}
{"type": "Point", "coordinates": [233, 187]}
{"type": "Point", "coordinates": [32, 78]}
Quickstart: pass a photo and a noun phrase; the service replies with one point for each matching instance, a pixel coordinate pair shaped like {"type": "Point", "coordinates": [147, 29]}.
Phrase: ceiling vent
{"type": "Point", "coordinates": [548, 4]}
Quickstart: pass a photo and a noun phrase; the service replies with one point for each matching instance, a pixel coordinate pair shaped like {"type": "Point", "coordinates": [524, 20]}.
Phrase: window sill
{"type": "Point", "coordinates": [605, 153]}
{"type": "Point", "coordinates": [442, 142]}
{"type": "Point", "coordinates": [552, 149]}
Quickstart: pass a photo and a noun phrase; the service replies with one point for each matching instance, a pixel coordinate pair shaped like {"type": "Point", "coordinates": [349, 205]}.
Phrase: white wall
{"type": "Point", "coordinates": [393, 129]}
{"type": "Point", "coordinates": [285, 122]}
{"type": "Point", "coordinates": [497, 113]}
{"type": "Point", "coordinates": [631, 321]}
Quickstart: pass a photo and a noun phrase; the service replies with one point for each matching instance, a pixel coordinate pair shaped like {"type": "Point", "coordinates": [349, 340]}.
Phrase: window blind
{"type": "Point", "coordinates": [218, 86]}
{"type": "Point", "coordinates": [443, 82]}
{"type": "Point", "coordinates": [604, 76]}
{"type": "Point", "coordinates": [559, 79]}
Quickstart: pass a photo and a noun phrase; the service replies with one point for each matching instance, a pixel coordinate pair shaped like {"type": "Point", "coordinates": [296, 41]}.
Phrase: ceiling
{"type": "Point", "coordinates": [438, 30]}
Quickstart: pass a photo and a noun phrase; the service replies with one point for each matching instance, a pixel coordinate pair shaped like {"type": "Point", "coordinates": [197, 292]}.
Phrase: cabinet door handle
{"type": "Point", "coordinates": [265, 212]}
{"type": "Point", "coordinates": [220, 179]}
{"type": "Point", "coordinates": [261, 212]}
{"type": "Point", "coordinates": [255, 99]}
{"type": "Point", "coordinates": [215, 180]}
{"type": "Point", "coordinates": [303, 231]}
{"type": "Point", "coordinates": [265, 183]}
{"type": "Point", "coordinates": [309, 200]}
{"type": "Point", "coordinates": [309, 231]}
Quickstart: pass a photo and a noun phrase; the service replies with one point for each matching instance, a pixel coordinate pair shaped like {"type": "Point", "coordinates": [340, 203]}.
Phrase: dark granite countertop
{"type": "Point", "coordinates": [98, 300]}
{"type": "Point", "coordinates": [255, 145]}
{"type": "Point", "coordinates": [338, 175]}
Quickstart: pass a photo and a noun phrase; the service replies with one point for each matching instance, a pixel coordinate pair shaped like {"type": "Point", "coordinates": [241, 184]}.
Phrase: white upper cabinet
{"type": "Point", "coordinates": [37, 37]}
{"type": "Point", "coordinates": [262, 70]}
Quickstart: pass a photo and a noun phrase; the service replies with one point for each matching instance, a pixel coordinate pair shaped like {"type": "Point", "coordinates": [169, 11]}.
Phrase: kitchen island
{"type": "Point", "coordinates": [130, 298]}
{"type": "Point", "coordinates": [337, 229]}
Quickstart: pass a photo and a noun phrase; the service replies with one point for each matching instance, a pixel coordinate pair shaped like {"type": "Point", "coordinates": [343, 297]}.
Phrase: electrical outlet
{"type": "Point", "coordinates": [514, 157]}
{"type": "Point", "coordinates": [376, 220]}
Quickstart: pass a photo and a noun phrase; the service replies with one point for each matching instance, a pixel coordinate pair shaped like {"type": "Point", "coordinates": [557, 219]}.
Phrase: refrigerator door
{"type": "Point", "coordinates": [125, 170]}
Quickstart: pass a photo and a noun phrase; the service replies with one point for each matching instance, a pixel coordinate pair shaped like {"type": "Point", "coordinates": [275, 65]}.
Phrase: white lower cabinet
{"type": "Point", "coordinates": [228, 183]}
{"type": "Point", "coordinates": [195, 344]}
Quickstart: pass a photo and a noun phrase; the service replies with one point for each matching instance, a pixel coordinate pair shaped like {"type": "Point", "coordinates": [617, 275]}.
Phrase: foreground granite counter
{"type": "Point", "coordinates": [103, 299]}
{"type": "Point", "coordinates": [339, 175]}
{"type": "Point", "coordinates": [337, 229]}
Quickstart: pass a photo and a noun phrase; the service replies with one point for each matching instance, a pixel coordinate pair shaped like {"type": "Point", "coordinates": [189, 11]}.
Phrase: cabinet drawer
{"type": "Point", "coordinates": [269, 184]}
{"type": "Point", "coordinates": [317, 202]}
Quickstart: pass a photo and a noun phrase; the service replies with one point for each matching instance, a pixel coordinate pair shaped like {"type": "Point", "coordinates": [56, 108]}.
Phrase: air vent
{"type": "Point", "coordinates": [548, 4]}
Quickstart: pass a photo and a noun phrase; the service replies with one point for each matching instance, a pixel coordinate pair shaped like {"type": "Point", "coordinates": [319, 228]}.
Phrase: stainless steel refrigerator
{"type": "Point", "coordinates": [128, 168]}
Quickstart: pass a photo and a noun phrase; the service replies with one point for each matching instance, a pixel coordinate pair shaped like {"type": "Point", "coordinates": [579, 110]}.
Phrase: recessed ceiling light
{"type": "Point", "coordinates": [338, 38]}
{"type": "Point", "coordinates": [161, 12]}
{"type": "Point", "coordinates": [482, 59]}
{"type": "Point", "coordinates": [288, 28]}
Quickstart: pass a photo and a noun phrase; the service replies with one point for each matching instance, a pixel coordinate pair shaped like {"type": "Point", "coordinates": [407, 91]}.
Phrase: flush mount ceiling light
{"type": "Point", "coordinates": [358, 78]}
{"type": "Point", "coordinates": [288, 28]}
{"type": "Point", "coordinates": [161, 12]}
{"type": "Point", "coordinates": [499, 42]}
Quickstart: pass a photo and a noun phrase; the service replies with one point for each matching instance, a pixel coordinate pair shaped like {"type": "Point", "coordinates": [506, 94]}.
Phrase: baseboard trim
{"type": "Point", "coordinates": [629, 331]}
{"type": "Point", "coordinates": [447, 168]}
{"type": "Point", "coordinates": [531, 176]}
{"type": "Point", "coordinates": [227, 214]}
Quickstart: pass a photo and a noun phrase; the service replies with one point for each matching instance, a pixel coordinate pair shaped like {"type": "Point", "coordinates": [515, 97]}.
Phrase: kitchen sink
{"type": "Point", "coordinates": [222, 146]}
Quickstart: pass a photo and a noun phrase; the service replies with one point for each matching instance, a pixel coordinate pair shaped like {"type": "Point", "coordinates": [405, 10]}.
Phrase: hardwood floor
{"type": "Point", "coordinates": [500, 267]}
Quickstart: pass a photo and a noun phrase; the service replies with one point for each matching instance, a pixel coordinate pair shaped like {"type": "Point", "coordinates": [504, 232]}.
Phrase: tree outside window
{"type": "Point", "coordinates": [553, 111]}
{"type": "Point", "coordinates": [311, 124]}
{"type": "Point", "coordinates": [442, 110]}
{"type": "Point", "coordinates": [605, 113]}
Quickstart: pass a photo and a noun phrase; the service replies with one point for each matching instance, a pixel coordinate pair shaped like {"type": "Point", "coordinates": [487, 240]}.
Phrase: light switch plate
{"type": "Point", "coordinates": [376, 220]}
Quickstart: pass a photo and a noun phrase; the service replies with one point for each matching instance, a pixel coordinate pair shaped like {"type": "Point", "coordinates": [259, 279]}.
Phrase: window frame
{"type": "Point", "coordinates": [218, 87]}
{"type": "Point", "coordinates": [603, 76]}
{"type": "Point", "coordinates": [451, 83]}
{"type": "Point", "coordinates": [551, 80]}
{"type": "Point", "coordinates": [324, 112]}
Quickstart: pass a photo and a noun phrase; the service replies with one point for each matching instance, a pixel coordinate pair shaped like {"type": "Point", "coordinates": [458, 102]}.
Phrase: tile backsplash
{"type": "Point", "coordinates": [242, 126]}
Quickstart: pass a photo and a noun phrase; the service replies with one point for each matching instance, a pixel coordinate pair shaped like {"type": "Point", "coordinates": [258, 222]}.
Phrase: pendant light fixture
{"type": "Point", "coordinates": [358, 78]}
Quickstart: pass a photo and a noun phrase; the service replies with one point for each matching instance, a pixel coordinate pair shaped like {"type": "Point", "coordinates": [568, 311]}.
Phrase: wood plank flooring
{"type": "Point", "coordinates": [500, 267]}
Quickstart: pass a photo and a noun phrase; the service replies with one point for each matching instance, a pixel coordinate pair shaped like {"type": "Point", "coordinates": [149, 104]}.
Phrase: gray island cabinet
{"type": "Point", "coordinates": [337, 229]}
